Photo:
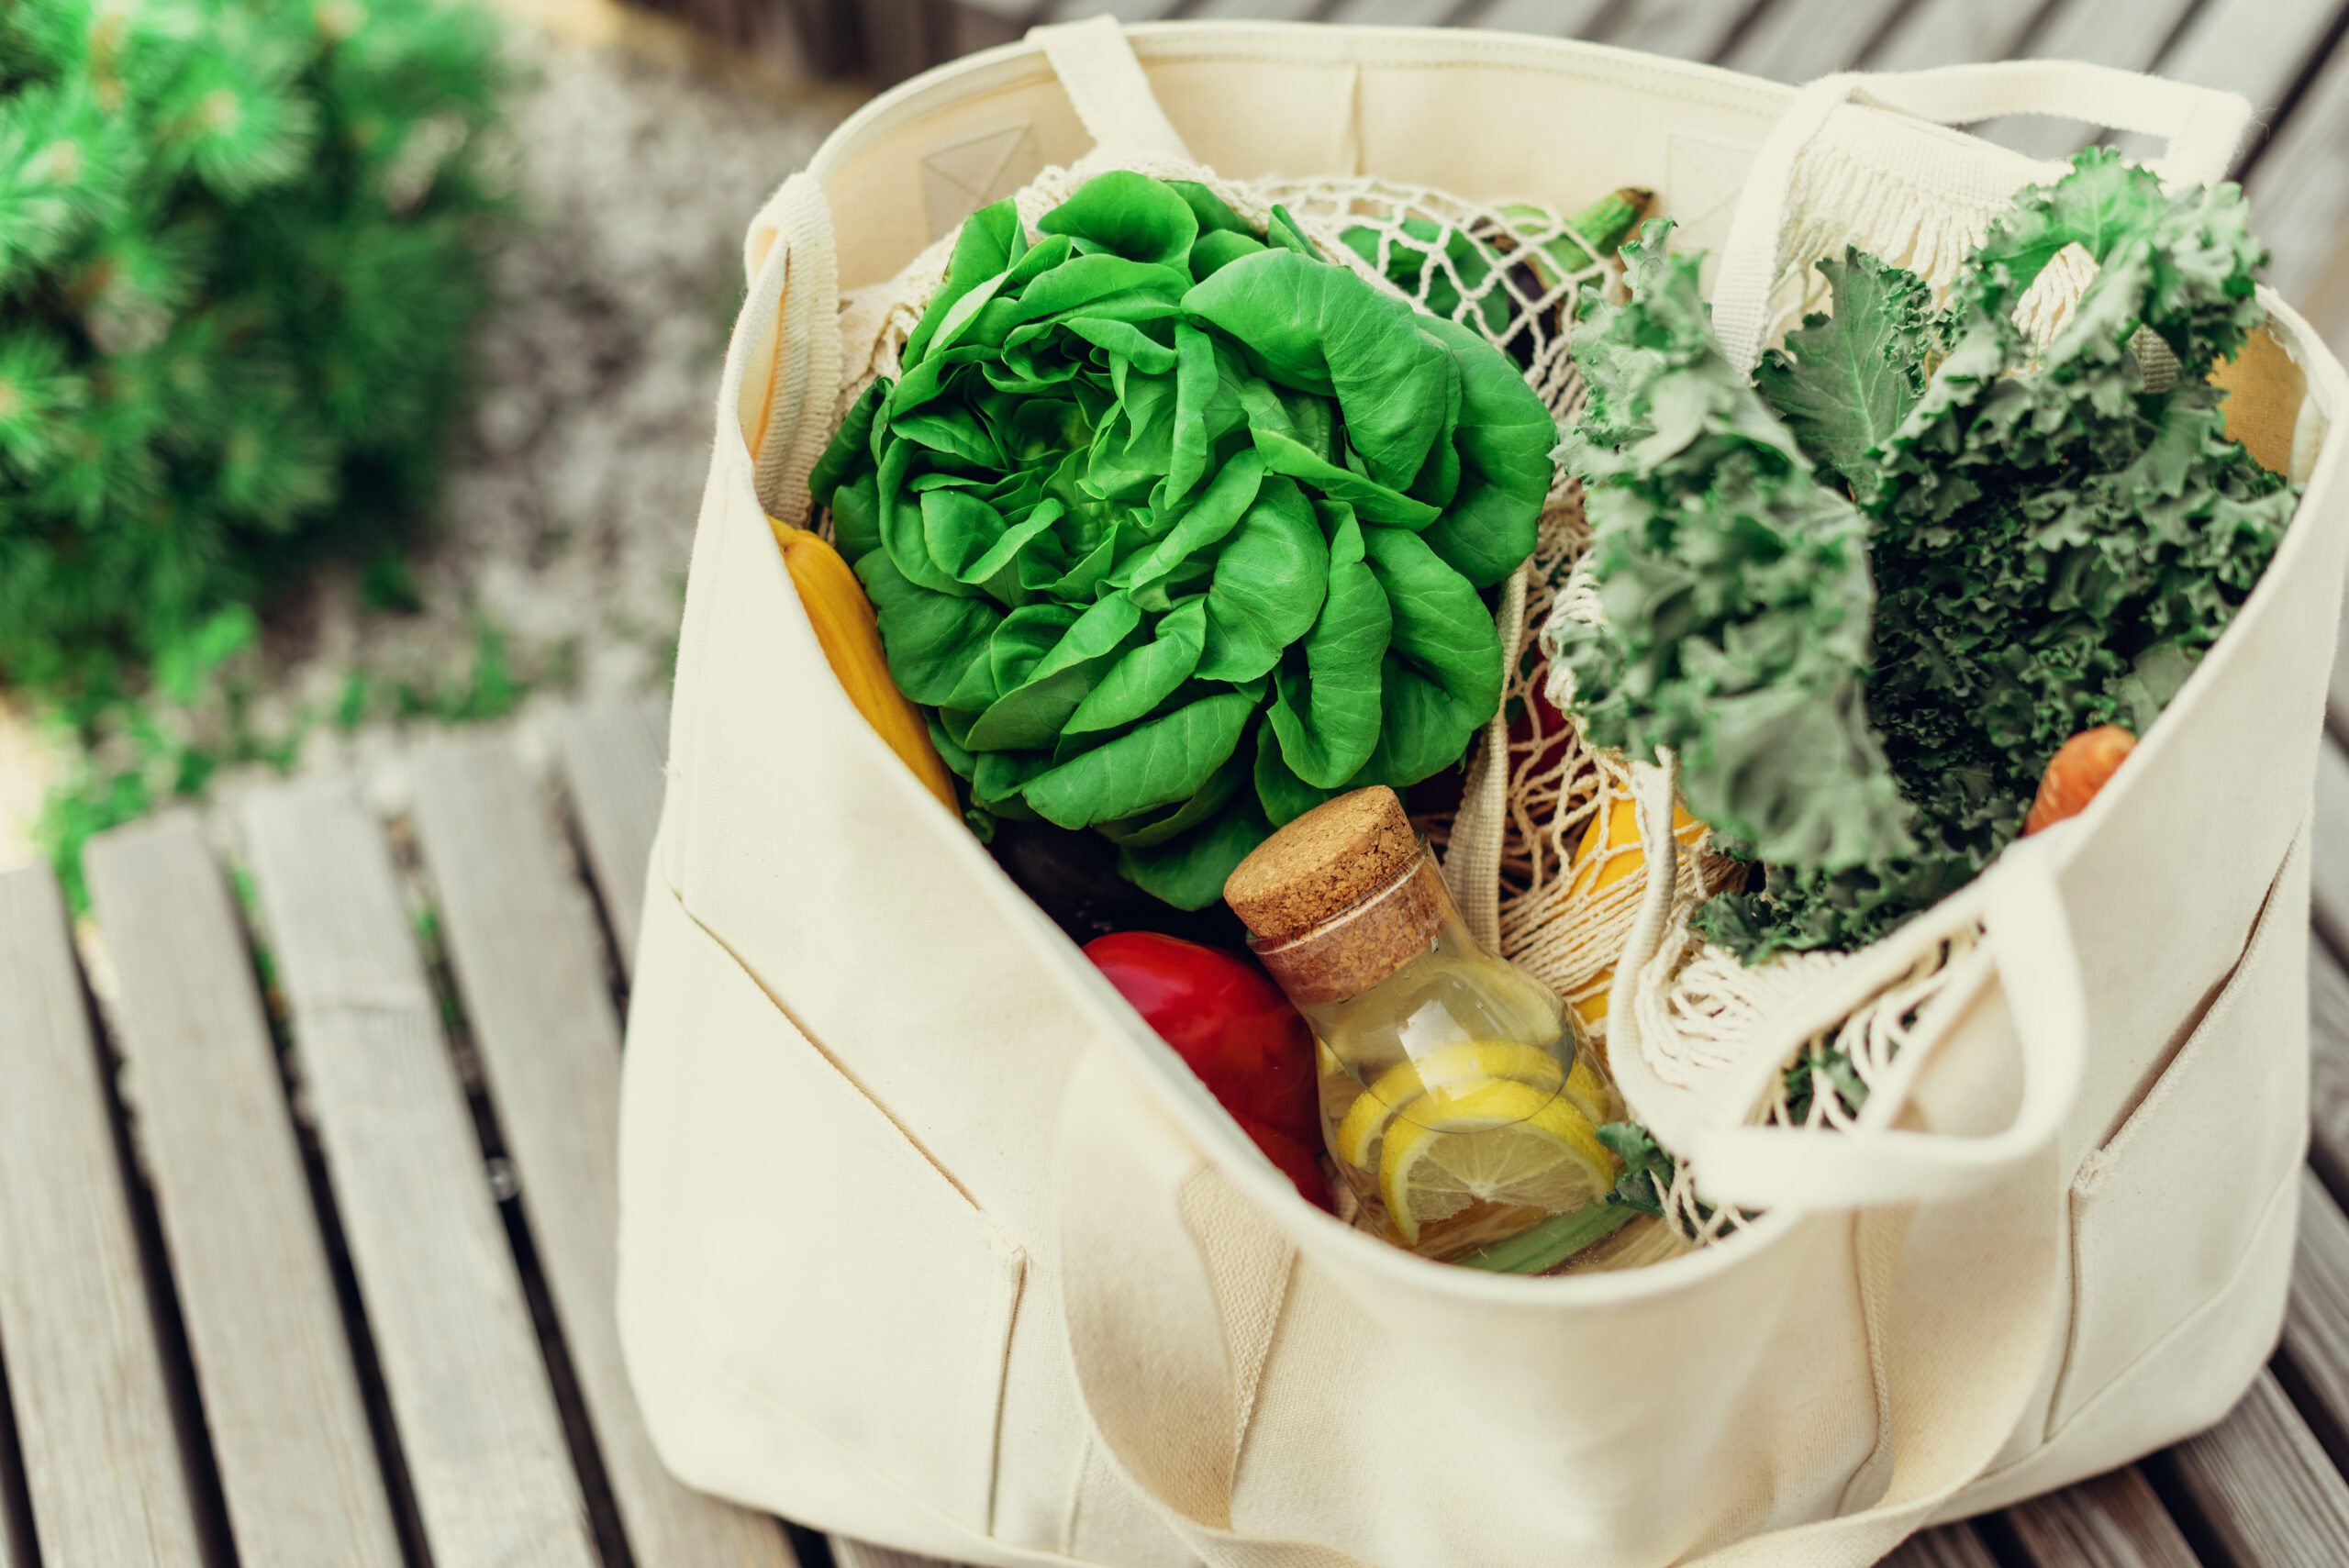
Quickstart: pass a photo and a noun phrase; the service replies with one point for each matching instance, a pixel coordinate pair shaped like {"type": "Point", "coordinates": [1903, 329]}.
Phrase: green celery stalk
{"type": "Point", "coordinates": [1552, 1241]}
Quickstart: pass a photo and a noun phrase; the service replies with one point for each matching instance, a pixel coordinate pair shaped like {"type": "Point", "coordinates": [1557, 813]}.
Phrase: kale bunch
{"type": "Point", "coordinates": [1181, 529]}
{"type": "Point", "coordinates": [1735, 585]}
{"type": "Point", "coordinates": [2054, 538]}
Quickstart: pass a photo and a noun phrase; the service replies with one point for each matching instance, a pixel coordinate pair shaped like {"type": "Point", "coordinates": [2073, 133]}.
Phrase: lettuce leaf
{"type": "Point", "coordinates": [1180, 529]}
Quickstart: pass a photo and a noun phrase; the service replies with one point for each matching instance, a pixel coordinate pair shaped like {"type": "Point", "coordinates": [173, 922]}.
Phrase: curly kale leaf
{"type": "Point", "coordinates": [1647, 1168]}
{"type": "Point", "coordinates": [1735, 585]}
{"type": "Point", "coordinates": [2055, 540]}
{"type": "Point", "coordinates": [1847, 380]}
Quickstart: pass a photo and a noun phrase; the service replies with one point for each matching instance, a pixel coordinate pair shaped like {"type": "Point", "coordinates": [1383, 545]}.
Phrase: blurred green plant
{"type": "Point", "coordinates": [136, 754]}
{"type": "Point", "coordinates": [242, 243]}
{"type": "Point", "coordinates": [133, 756]}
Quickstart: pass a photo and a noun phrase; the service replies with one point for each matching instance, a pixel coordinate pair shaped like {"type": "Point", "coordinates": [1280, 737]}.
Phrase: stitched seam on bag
{"type": "Point", "coordinates": [1872, 1287]}
{"type": "Point", "coordinates": [1000, 1238]}
{"type": "Point", "coordinates": [913, 1498]}
{"type": "Point", "coordinates": [2150, 1094]}
{"type": "Point", "coordinates": [2088, 1180]}
{"type": "Point", "coordinates": [2187, 1323]}
{"type": "Point", "coordinates": [1643, 76]}
{"type": "Point", "coordinates": [1003, 1385]}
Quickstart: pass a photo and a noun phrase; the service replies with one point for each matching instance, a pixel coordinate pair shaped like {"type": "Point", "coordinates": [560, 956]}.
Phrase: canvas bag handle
{"type": "Point", "coordinates": [1107, 86]}
{"type": "Point", "coordinates": [1154, 1372]}
{"type": "Point", "coordinates": [783, 397]}
{"type": "Point", "coordinates": [2202, 126]}
{"type": "Point", "coordinates": [2029, 940]}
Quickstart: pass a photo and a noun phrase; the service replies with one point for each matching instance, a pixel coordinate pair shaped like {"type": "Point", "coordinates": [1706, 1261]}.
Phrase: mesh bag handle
{"type": "Point", "coordinates": [2202, 126]}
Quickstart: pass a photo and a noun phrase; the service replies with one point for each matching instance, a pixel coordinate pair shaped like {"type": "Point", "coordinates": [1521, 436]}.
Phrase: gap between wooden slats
{"type": "Point", "coordinates": [611, 761]}
{"type": "Point", "coordinates": [102, 1466]}
{"type": "Point", "coordinates": [1252, 10]}
{"type": "Point", "coordinates": [1953, 32]}
{"type": "Point", "coordinates": [2298, 187]}
{"type": "Point", "coordinates": [1393, 13]}
{"type": "Point", "coordinates": [630, 816]}
{"type": "Point", "coordinates": [299, 1470]}
{"type": "Point", "coordinates": [2257, 48]}
{"type": "Point", "coordinates": [1124, 10]}
{"type": "Point", "coordinates": [1688, 29]}
{"type": "Point", "coordinates": [2261, 1487]}
{"type": "Point", "coordinates": [1949, 1546]}
{"type": "Point", "coordinates": [484, 1448]}
{"type": "Point", "coordinates": [528, 968]}
{"type": "Point", "coordinates": [1794, 41]}
{"type": "Point", "coordinates": [2329, 1051]}
{"type": "Point", "coordinates": [2329, 867]}
{"type": "Point", "coordinates": [1551, 18]}
{"type": "Point", "coordinates": [2315, 1366]}
{"type": "Point", "coordinates": [2130, 34]}
{"type": "Point", "coordinates": [2108, 1521]}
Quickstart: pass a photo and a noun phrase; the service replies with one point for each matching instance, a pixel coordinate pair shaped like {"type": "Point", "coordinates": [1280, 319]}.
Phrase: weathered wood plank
{"type": "Point", "coordinates": [1393, 13]}
{"type": "Point", "coordinates": [2315, 1317]}
{"type": "Point", "coordinates": [297, 1465]}
{"type": "Point", "coordinates": [527, 961]}
{"type": "Point", "coordinates": [2113, 1520]}
{"type": "Point", "coordinates": [2329, 864]}
{"type": "Point", "coordinates": [974, 25]}
{"type": "Point", "coordinates": [1252, 10]}
{"type": "Point", "coordinates": [1124, 10]}
{"type": "Point", "coordinates": [1551, 18]}
{"type": "Point", "coordinates": [1691, 29]}
{"type": "Point", "coordinates": [2329, 1051]}
{"type": "Point", "coordinates": [1953, 32]}
{"type": "Point", "coordinates": [611, 759]}
{"type": "Point", "coordinates": [2264, 1485]}
{"type": "Point", "coordinates": [1794, 41]}
{"type": "Point", "coordinates": [1949, 1546]}
{"type": "Point", "coordinates": [2126, 33]}
{"type": "Point", "coordinates": [469, 1390]}
{"type": "Point", "coordinates": [86, 1371]}
{"type": "Point", "coordinates": [2336, 695]}
{"type": "Point", "coordinates": [2300, 196]}
{"type": "Point", "coordinates": [2256, 48]}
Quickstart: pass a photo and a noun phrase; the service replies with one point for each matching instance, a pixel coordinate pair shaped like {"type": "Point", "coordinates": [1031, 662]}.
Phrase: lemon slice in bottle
{"type": "Point", "coordinates": [1457, 1068]}
{"type": "Point", "coordinates": [1506, 1144]}
{"type": "Point", "coordinates": [1587, 1093]}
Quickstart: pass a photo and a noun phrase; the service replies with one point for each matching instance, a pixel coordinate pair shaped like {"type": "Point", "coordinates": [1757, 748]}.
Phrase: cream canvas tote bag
{"type": "Point", "coordinates": [927, 1239]}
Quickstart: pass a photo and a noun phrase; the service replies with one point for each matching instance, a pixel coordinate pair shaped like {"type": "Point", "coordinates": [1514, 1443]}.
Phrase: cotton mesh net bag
{"type": "Point", "coordinates": [1571, 858]}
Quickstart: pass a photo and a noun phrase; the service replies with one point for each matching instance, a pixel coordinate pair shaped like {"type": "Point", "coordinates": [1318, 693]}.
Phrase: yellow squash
{"type": "Point", "coordinates": [851, 639]}
{"type": "Point", "coordinates": [1620, 846]}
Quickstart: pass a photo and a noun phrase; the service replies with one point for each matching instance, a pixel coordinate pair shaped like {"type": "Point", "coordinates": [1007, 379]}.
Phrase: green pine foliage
{"type": "Point", "coordinates": [240, 246]}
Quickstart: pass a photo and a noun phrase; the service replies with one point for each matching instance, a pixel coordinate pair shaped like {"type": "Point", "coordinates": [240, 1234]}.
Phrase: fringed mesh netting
{"type": "Point", "coordinates": [1544, 854]}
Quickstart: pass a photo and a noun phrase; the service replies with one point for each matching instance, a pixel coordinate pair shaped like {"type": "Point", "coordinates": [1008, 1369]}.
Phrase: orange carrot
{"type": "Point", "coordinates": [2075, 772]}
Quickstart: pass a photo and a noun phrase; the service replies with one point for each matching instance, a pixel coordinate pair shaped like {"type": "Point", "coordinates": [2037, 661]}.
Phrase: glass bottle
{"type": "Point", "coordinates": [1460, 1101]}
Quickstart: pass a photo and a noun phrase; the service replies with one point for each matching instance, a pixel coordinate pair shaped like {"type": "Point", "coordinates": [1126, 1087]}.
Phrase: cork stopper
{"type": "Point", "coordinates": [1327, 861]}
{"type": "Point", "coordinates": [1341, 898]}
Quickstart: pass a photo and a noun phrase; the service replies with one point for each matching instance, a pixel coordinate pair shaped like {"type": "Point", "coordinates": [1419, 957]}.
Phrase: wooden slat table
{"type": "Point", "coordinates": [305, 1232]}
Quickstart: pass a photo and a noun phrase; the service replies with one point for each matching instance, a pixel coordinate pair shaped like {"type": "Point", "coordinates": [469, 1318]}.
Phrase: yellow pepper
{"type": "Point", "coordinates": [851, 639]}
{"type": "Point", "coordinates": [1620, 846]}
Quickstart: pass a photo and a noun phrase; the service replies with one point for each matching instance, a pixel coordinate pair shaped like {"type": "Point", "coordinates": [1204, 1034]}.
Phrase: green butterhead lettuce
{"type": "Point", "coordinates": [1181, 529]}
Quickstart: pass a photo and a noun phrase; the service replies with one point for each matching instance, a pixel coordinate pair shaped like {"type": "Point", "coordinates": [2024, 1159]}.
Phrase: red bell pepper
{"type": "Point", "coordinates": [1233, 1027]}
